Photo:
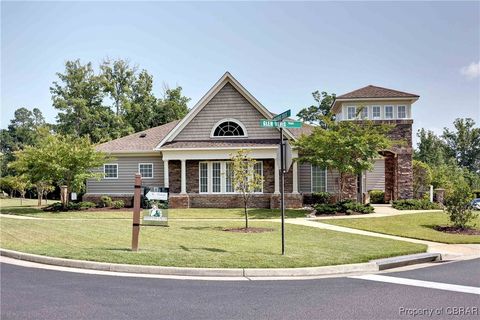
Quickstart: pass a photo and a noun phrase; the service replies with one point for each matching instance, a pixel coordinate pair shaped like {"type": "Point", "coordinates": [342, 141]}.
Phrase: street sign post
{"type": "Point", "coordinates": [284, 155]}
{"type": "Point", "coordinates": [281, 116]}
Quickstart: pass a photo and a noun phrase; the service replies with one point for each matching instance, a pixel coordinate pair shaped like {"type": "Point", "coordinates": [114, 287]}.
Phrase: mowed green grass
{"type": "Point", "coordinates": [12, 206]}
{"type": "Point", "coordinates": [196, 243]}
{"type": "Point", "coordinates": [417, 225]}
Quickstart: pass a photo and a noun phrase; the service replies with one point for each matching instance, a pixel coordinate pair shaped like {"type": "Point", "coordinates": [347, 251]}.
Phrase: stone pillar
{"type": "Point", "coordinates": [165, 174]}
{"type": "Point", "coordinates": [390, 177]}
{"type": "Point", "coordinates": [183, 189]}
{"type": "Point", "coordinates": [404, 176]}
{"type": "Point", "coordinates": [64, 195]}
{"type": "Point", "coordinates": [277, 177]}
{"type": "Point", "coordinates": [440, 195]}
{"type": "Point", "coordinates": [295, 177]}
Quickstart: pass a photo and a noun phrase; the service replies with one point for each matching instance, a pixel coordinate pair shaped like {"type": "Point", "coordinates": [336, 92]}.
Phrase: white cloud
{"type": "Point", "coordinates": [472, 70]}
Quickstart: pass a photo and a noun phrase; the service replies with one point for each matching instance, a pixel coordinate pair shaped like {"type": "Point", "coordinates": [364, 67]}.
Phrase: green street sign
{"type": "Point", "coordinates": [281, 116]}
{"type": "Point", "coordinates": [280, 124]}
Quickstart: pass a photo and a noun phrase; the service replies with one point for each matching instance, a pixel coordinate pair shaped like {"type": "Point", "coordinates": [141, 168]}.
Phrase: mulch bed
{"type": "Point", "coordinates": [249, 230]}
{"type": "Point", "coordinates": [455, 230]}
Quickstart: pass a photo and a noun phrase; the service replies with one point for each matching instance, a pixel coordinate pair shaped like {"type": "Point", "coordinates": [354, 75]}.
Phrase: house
{"type": "Point", "coordinates": [191, 156]}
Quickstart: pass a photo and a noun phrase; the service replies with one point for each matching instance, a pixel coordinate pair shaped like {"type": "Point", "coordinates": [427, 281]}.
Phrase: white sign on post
{"type": "Point", "coordinates": [73, 196]}
{"type": "Point", "coordinates": [157, 195]}
{"type": "Point", "coordinates": [287, 156]}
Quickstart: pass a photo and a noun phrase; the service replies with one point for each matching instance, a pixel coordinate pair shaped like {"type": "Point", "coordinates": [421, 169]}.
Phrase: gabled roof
{"type": "Point", "coordinates": [136, 143]}
{"type": "Point", "coordinates": [376, 92]}
{"type": "Point", "coordinates": [226, 78]}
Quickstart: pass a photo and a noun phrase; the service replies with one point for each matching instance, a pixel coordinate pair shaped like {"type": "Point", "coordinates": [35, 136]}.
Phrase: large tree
{"type": "Point", "coordinates": [172, 107]}
{"type": "Point", "coordinates": [346, 146]}
{"type": "Point", "coordinates": [463, 143]}
{"type": "Point", "coordinates": [431, 149]}
{"type": "Point", "coordinates": [78, 96]}
{"type": "Point", "coordinates": [316, 112]}
{"type": "Point", "coordinates": [140, 109]}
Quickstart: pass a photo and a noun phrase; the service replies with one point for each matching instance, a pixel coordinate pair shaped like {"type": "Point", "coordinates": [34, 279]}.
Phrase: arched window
{"type": "Point", "coordinates": [229, 128]}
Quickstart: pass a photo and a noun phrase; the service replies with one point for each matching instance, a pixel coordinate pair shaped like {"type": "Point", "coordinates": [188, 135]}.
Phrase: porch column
{"type": "Point", "coordinates": [183, 189]}
{"type": "Point", "coordinates": [295, 177]}
{"type": "Point", "coordinates": [165, 173]}
{"type": "Point", "coordinates": [277, 177]}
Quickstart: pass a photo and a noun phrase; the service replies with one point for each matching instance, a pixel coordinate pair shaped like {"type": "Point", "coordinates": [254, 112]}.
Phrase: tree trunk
{"type": "Point", "coordinates": [246, 215]}
{"type": "Point", "coordinates": [64, 196]}
{"type": "Point", "coordinates": [40, 196]}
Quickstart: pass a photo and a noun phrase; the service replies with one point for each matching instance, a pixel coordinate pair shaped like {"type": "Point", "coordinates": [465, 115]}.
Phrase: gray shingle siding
{"type": "Point", "coordinates": [127, 168]}
{"type": "Point", "coordinates": [227, 103]}
{"type": "Point", "coordinates": [305, 179]}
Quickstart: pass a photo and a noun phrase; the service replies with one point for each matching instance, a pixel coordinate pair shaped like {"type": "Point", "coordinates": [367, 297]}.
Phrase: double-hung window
{"type": "Point", "coordinates": [110, 170]}
{"type": "Point", "coordinates": [376, 115]}
{"type": "Point", "coordinates": [319, 179]}
{"type": "Point", "coordinates": [364, 113]}
{"type": "Point", "coordinates": [388, 112]}
{"type": "Point", "coordinates": [217, 176]}
{"type": "Point", "coordinates": [351, 112]}
{"type": "Point", "coordinates": [146, 170]}
{"type": "Point", "coordinates": [401, 112]}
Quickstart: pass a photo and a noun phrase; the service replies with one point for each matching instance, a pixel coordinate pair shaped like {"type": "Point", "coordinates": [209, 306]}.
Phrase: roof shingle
{"type": "Point", "coordinates": [376, 92]}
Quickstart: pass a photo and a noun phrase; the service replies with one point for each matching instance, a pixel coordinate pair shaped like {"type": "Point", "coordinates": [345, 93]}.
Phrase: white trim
{"type": "Point", "coordinates": [385, 112]}
{"type": "Point", "coordinates": [213, 154]}
{"type": "Point", "coordinates": [245, 133]}
{"type": "Point", "coordinates": [183, 184]}
{"type": "Point", "coordinates": [226, 78]}
{"type": "Point", "coordinates": [146, 163]}
{"type": "Point", "coordinates": [166, 181]}
{"type": "Point", "coordinates": [110, 164]}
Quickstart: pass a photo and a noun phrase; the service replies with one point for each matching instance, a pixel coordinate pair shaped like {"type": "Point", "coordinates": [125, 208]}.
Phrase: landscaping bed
{"type": "Point", "coordinates": [196, 243]}
{"type": "Point", "coordinates": [421, 225]}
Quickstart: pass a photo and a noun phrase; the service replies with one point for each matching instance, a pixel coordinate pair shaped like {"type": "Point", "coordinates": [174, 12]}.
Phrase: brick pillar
{"type": "Point", "coordinates": [404, 176]}
{"type": "Point", "coordinates": [350, 187]}
{"type": "Point", "coordinates": [390, 177]}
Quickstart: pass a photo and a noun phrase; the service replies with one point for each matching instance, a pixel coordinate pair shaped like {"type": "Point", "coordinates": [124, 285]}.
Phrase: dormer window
{"type": "Point", "coordinates": [229, 128]}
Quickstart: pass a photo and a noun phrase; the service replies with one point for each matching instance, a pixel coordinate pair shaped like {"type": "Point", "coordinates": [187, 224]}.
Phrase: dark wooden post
{"type": "Point", "coordinates": [136, 212]}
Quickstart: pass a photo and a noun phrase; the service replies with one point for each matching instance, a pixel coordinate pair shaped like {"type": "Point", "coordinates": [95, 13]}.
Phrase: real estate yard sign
{"type": "Point", "coordinates": [155, 212]}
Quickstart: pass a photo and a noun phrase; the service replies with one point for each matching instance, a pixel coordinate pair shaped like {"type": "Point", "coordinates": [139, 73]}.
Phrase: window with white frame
{"type": "Point", "coordinates": [217, 176]}
{"type": "Point", "coordinates": [203, 177]}
{"type": "Point", "coordinates": [376, 113]}
{"type": "Point", "coordinates": [401, 112]}
{"type": "Point", "coordinates": [364, 113]}
{"type": "Point", "coordinates": [110, 170]}
{"type": "Point", "coordinates": [388, 112]}
{"type": "Point", "coordinates": [351, 112]}
{"type": "Point", "coordinates": [146, 170]}
{"type": "Point", "coordinates": [319, 179]}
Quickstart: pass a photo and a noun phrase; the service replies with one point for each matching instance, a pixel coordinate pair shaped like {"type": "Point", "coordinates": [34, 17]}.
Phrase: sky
{"type": "Point", "coordinates": [280, 51]}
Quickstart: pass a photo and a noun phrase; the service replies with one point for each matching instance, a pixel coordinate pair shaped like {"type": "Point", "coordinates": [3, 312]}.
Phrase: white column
{"type": "Point", "coordinates": [184, 177]}
{"type": "Point", "coordinates": [165, 173]}
{"type": "Point", "coordinates": [277, 177]}
{"type": "Point", "coordinates": [295, 177]}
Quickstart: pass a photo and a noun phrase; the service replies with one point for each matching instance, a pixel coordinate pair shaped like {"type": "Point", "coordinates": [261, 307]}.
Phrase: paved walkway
{"type": "Point", "coordinates": [466, 250]}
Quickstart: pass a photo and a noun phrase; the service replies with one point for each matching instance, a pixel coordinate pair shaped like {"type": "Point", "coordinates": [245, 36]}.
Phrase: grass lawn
{"type": "Point", "coordinates": [29, 208]}
{"type": "Point", "coordinates": [195, 243]}
{"type": "Point", "coordinates": [417, 225]}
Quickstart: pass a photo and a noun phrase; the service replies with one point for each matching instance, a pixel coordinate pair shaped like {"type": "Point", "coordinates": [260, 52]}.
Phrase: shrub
{"type": "Point", "coordinates": [377, 196]}
{"type": "Point", "coordinates": [105, 201]}
{"type": "Point", "coordinates": [84, 205]}
{"type": "Point", "coordinates": [118, 204]}
{"type": "Point", "coordinates": [325, 208]}
{"type": "Point", "coordinates": [414, 204]}
{"type": "Point", "coordinates": [57, 206]}
{"type": "Point", "coordinates": [351, 207]}
{"type": "Point", "coordinates": [321, 197]}
{"type": "Point", "coordinates": [459, 208]}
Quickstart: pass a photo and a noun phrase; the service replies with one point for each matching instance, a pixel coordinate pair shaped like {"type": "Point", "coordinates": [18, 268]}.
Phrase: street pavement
{"type": "Point", "coordinates": [32, 293]}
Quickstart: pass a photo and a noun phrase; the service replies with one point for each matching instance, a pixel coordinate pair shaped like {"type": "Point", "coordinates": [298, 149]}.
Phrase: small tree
{"type": "Point", "coordinates": [245, 180]}
{"type": "Point", "coordinates": [346, 146]}
{"type": "Point", "coordinates": [422, 176]}
{"type": "Point", "coordinates": [458, 205]}
{"type": "Point", "coordinates": [21, 184]}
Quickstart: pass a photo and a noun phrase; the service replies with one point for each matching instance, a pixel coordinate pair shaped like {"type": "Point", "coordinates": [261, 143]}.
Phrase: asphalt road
{"type": "Point", "coordinates": [30, 293]}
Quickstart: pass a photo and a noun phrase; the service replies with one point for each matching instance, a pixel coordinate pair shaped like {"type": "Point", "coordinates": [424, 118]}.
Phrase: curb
{"type": "Point", "coordinates": [372, 266]}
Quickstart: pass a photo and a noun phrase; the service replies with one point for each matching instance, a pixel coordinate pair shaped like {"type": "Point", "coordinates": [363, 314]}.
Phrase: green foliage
{"type": "Point", "coordinates": [422, 177]}
{"type": "Point", "coordinates": [105, 201]}
{"type": "Point", "coordinates": [377, 196]}
{"type": "Point", "coordinates": [325, 208]}
{"type": "Point", "coordinates": [414, 204]}
{"type": "Point", "coordinates": [346, 146]}
{"type": "Point", "coordinates": [244, 178]}
{"type": "Point", "coordinates": [321, 108]}
{"type": "Point", "coordinates": [117, 78]}
{"type": "Point", "coordinates": [321, 197]}
{"type": "Point", "coordinates": [83, 205]}
{"type": "Point", "coordinates": [172, 107]}
{"type": "Point", "coordinates": [463, 143]}
{"type": "Point", "coordinates": [71, 206]}
{"type": "Point", "coordinates": [118, 204]}
{"type": "Point", "coordinates": [458, 205]}
{"type": "Point", "coordinates": [430, 149]}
